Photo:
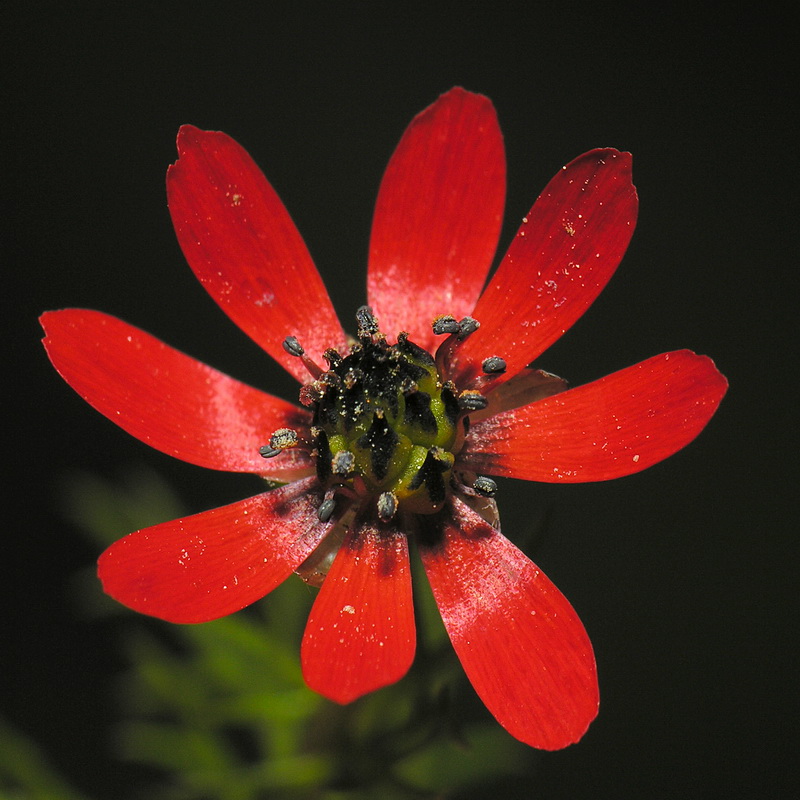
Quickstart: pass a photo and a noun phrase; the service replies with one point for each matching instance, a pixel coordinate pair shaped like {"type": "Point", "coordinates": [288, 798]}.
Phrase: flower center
{"type": "Point", "coordinates": [385, 424]}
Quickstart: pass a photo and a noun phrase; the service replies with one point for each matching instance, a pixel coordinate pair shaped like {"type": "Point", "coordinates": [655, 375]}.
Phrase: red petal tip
{"type": "Point", "coordinates": [360, 634]}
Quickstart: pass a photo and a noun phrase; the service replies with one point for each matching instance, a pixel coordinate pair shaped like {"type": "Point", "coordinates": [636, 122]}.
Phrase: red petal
{"type": "Point", "coordinates": [520, 641]}
{"type": "Point", "coordinates": [244, 248]}
{"type": "Point", "coordinates": [438, 216]}
{"type": "Point", "coordinates": [360, 634]}
{"type": "Point", "coordinates": [168, 400]}
{"type": "Point", "coordinates": [212, 564]}
{"type": "Point", "coordinates": [612, 427]}
{"type": "Point", "coordinates": [563, 255]}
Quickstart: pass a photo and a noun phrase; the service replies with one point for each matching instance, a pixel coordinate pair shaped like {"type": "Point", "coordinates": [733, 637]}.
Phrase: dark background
{"type": "Point", "coordinates": [684, 575]}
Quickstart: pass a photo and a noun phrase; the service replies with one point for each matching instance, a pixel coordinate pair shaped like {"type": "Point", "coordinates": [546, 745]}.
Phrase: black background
{"type": "Point", "coordinates": [684, 575]}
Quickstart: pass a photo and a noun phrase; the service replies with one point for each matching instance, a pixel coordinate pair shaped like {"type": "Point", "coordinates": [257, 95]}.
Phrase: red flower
{"type": "Point", "coordinates": [391, 442]}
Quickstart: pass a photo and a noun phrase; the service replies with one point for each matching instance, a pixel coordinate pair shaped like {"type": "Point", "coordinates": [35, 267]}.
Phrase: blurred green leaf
{"type": "Point", "coordinates": [448, 764]}
{"type": "Point", "coordinates": [180, 749]}
{"type": "Point", "coordinates": [108, 510]}
{"type": "Point", "coordinates": [25, 772]}
{"type": "Point", "coordinates": [233, 648]}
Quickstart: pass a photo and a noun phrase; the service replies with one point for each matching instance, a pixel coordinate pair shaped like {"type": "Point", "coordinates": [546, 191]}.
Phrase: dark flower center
{"type": "Point", "coordinates": [385, 425]}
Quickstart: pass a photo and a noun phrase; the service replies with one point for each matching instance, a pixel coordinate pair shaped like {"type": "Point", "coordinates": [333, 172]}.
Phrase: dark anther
{"type": "Point", "coordinates": [367, 324]}
{"type": "Point", "coordinates": [326, 507]}
{"type": "Point", "coordinates": [471, 400]}
{"type": "Point", "coordinates": [494, 365]}
{"type": "Point", "coordinates": [467, 326]}
{"type": "Point", "coordinates": [292, 346]}
{"type": "Point", "coordinates": [343, 463]}
{"type": "Point", "coordinates": [445, 324]}
{"type": "Point", "coordinates": [283, 438]}
{"type": "Point", "coordinates": [387, 505]}
{"type": "Point", "coordinates": [484, 486]}
{"type": "Point", "coordinates": [278, 442]}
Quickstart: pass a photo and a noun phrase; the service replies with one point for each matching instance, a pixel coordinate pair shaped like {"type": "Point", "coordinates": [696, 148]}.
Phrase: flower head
{"type": "Point", "coordinates": [399, 428]}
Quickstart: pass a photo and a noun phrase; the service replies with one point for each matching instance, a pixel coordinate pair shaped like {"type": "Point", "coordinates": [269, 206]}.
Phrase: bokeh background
{"type": "Point", "coordinates": [685, 575]}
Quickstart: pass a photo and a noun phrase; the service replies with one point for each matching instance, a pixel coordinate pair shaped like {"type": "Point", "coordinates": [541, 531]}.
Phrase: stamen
{"type": "Point", "coordinates": [281, 439]}
{"type": "Point", "coordinates": [484, 486]}
{"type": "Point", "coordinates": [343, 463]}
{"type": "Point", "coordinates": [387, 505]}
{"type": "Point", "coordinates": [471, 400]}
{"type": "Point", "coordinates": [458, 332]}
{"type": "Point", "coordinates": [445, 324]}
{"type": "Point", "coordinates": [327, 506]}
{"type": "Point", "coordinates": [292, 346]}
{"type": "Point", "coordinates": [494, 365]}
{"type": "Point", "coordinates": [467, 326]}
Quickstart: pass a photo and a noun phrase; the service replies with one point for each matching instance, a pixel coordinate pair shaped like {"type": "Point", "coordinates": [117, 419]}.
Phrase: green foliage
{"type": "Point", "coordinates": [25, 773]}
